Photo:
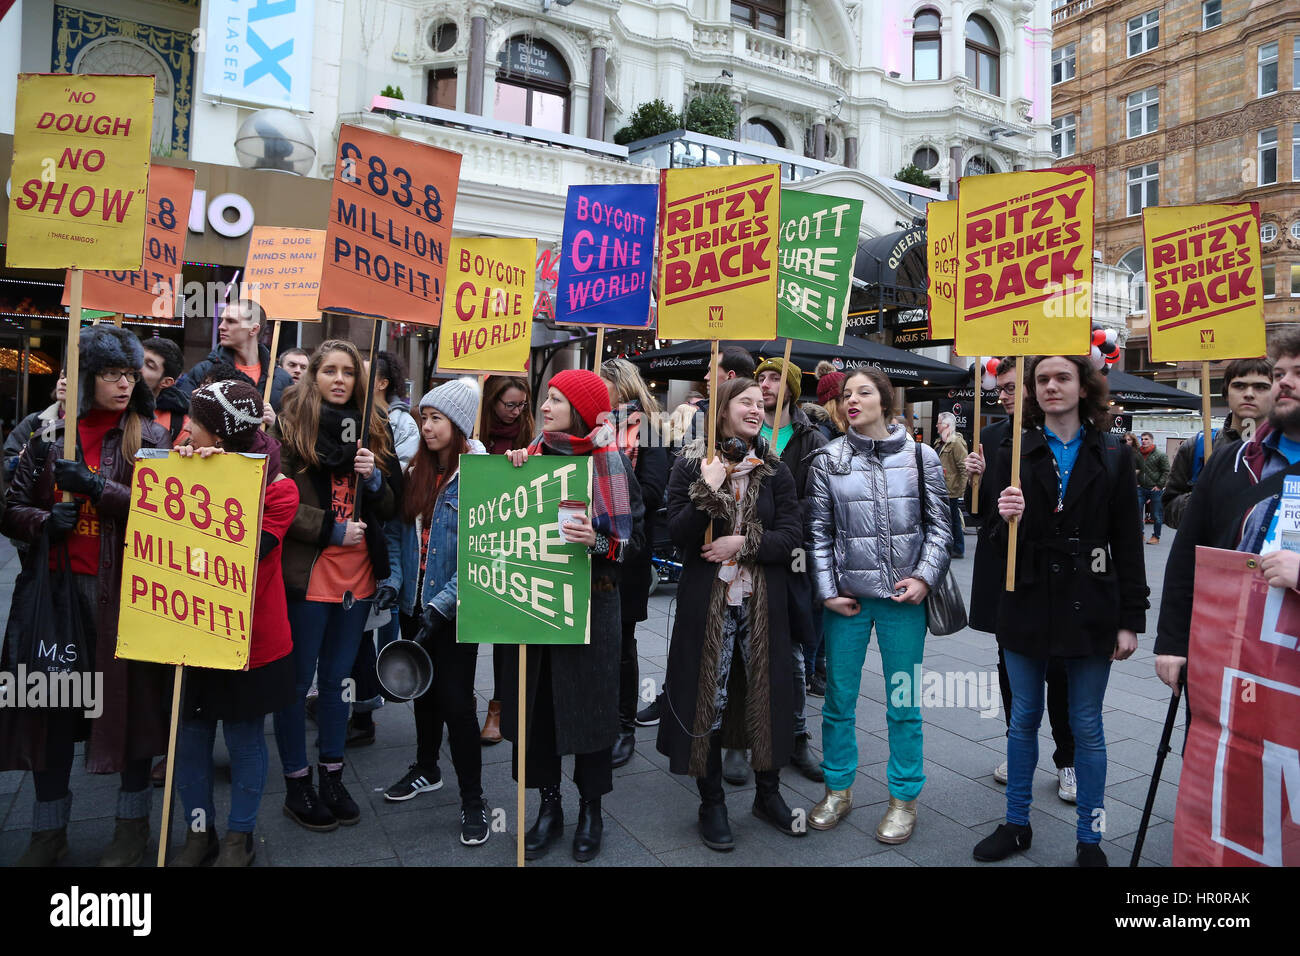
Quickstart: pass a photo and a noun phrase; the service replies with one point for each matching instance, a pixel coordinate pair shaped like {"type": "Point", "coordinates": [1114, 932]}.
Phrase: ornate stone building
{"type": "Point", "coordinates": [1183, 103]}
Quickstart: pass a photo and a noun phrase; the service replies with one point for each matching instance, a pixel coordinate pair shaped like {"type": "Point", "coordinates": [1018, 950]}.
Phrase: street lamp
{"type": "Point", "coordinates": [275, 139]}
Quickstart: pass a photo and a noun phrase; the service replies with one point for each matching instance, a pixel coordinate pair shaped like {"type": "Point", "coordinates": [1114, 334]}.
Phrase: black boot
{"type": "Point", "coordinates": [770, 806]}
{"type": "Point", "coordinates": [804, 761]}
{"type": "Point", "coordinates": [548, 828]}
{"type": "Point", "coordinates": [586, 839]}
{"type": "Point", "coordinates": [715, 831]}
{"type": "Point", "coordinates": [304, 806]}
{"type": "Point", "coordinates": [337, 798]}
{"type": "Point", "coordinates": [624, 747]}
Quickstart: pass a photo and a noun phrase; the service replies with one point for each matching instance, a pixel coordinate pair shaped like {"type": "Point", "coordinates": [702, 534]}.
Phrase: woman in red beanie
{"type": "Point", "coordinates": [573, 689]}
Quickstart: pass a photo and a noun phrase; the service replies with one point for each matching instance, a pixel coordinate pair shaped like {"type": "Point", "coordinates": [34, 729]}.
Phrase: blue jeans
{"type": "Point", "coordinates": [1087, 682]}
{"type": "Point", "coordinates": [325, 643]}
{"type": "Point", "coordinates": [1157, 508]}
{"type": "Point", "coordinates": [246, 741]}
{"type": "Point", "coordinates": [900, 630]}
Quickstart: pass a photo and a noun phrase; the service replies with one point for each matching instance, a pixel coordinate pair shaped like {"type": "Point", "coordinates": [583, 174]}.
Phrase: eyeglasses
{"type": "Point", "coordinates": [116, 374]}
{"type": "Point", "coordinates": [514, 406]}
{"type": "Point", "coordinates": [1005, 389]}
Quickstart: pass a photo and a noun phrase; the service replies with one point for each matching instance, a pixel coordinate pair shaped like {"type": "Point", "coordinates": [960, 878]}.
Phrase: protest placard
{"type": "Point", "coordinates": [282, 272]}
{"type": "Point", "coordinates": [519, 582]}
{"type": "Point", "coordinates": [607, 256]}
{"type": "Point", "coordinates": [389, 229]}
{"type": "Point", "coordinates": [80, 171]}
{"type": "Point", "coordinates": [717, 252]}
{"type": "Point", "coordinates": [1024, 269]}
{"type": "Point", "coordinates": [487, 322]}
{"type": "Point", "coordinates": [1240, 770]}
{"type": "Point", "coordinates": [818, 242]}
{"type": "Point", "coordinates": [190, 565]}
{"type": "Point", "coordinates": [152, 289]}
{"type": "Point", "coordinates": [1203, 278]}
{"type": "Point", "coordinates": [941, 249]}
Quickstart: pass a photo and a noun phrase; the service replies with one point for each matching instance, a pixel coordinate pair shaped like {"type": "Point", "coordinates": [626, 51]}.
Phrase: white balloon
{"type": "Point", "coordinates": [1098, 360]}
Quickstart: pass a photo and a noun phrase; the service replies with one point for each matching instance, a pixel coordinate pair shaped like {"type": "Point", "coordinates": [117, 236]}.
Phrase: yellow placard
{"type": "Point", "coordinates": [717, 252]}
{"type": "Point", "coordinates": [1203, 280]}
{"type": "Point", "coordinates": [941, 239]}
{"type": "Point", "coordinates": [190, 566]}
{"type": "Point", "coordinates": [487, 311]}
{"type": "Point", "coordinates": [1024, 262]}
{"type": "Point", "coordinates": [80, 175]}
{"type": "Point", "coordinates": [282, 272]}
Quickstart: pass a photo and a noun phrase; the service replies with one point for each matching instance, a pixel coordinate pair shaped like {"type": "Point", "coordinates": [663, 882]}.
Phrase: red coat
{"type": "Point", "coordinates": [271, 639]}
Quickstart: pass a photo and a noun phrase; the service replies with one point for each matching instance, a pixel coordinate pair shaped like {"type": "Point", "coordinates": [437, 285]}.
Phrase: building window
{"type": "Point", "coordinates": [1295, 229]}
{"type": "Point", "coordinates": [442, 88]}
{"type": "Point", "coordinates": [1135, 265]}
{"type": "Point", "coordinates": [925, 158]}
{"type": "Point", "coordinates": [762, 131]}
{"type": "Point", "coordinates": [1295, 154]}
{"type": "Point", "coordinates": [1295, 278]}
{"type": "Point", "coordinates": [1063, 141]}
{"type": "Point", "coordinates": [1268, 278]}
{"type": "Point", "coordinates": [1267, 152]}
{"type": "Point", "coordinates": [1211, 14]}
{"type": "Point", "coordinates": [1143, 112]}
{"type": "Point", "coordinates": [1267, 232]}
{"type": "Point", "coordinates": [980, 166]}
{"type": "Point", "coordinates": [927, 46]}
{"type": "Point", "coordinates": [982, 55]}
{"type": "Point", "coordinates": [1267, 69]}
{"type": "Point", "coordinates": [1143, 32]}
{"type": "Point", "coordinates": [532, 85]}
{"type": "Point", "coordinates": [1295, 64]}
{"type": "Point", "coordinates": [1143, 187]}
{"type": "Point", "coordinates": [1063, 63]}
{"type": "Point", "coordinates": [766, 16]}
{"type": "Point", "coordinates": [443, 36]}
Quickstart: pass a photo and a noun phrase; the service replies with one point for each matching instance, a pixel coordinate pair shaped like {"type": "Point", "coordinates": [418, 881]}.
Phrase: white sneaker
{"type": "Point", "coordinates": [1068, 787]}
{"type": "Point", "coordinates": [1000, 772]}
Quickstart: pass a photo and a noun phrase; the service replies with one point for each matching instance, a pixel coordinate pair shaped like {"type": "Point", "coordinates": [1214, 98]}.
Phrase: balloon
{"type": "Point", "coordinates": [1112, 358]}
{"type": "Point", "coordinates": [991, 366]}
{"type": "Point", "coordinates": [1098, 336]}
{"type": "Point", "coordinates": [1095, 356]}
{"type": "Point", "coordinates": [1112, 336]}
{"type": "Point", "coordinates": [988, 382]}
{"type": "Point", "coordinates": [1112, 353]}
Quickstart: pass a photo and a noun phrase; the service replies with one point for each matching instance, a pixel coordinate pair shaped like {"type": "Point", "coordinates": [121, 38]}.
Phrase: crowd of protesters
{"type": "Point", "coordinates": [810, 524]}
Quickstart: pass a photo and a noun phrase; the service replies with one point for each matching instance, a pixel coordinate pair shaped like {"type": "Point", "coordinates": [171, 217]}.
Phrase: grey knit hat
{"type": "Point", "coordinates": [458, 400]}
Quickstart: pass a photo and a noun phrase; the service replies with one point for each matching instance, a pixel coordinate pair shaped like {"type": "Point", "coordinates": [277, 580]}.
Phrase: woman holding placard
{"type": "Point", "coordinates": [879, 543]}
{"type": "Point", "coordinates": [573, 689]}
{"type": "Point", "coordinates": [227, 417]}
{"type": "Point", "coordinates": [506, 423]}
{"type": "Point", "coordinates": [114, 421]}
{"type": "Point", "coordinates": [429, 525]}
{"type": "Point", "coordinates": [730, 664]}
{"type": "Point", "coordinates": [334, 554]}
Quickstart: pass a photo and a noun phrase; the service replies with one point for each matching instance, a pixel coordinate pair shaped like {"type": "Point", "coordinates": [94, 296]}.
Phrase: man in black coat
{"type": "Point", "coordinates": [237, 335]}
{"type": "Point", "coordinates": [163, 364]}
{"type": "Point", "coordinates": [1233, 505]}
{"type": "Point", "coordinates": [988, 584]}
{"type": "Point", "coordinates": [794, 439]}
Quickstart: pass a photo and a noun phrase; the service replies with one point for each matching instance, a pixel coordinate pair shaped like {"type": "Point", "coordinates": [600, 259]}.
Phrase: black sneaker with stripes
{"type": "Point", "coordinates": [417, 780]}
{"type": "Point", "coordinates": [473, 823]}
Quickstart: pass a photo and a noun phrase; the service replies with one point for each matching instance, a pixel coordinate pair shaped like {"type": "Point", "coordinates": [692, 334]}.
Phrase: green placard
{"type": "Point", "coordinates": [518, 581]}
{"type": "Point", "coordinates": [818, 243]}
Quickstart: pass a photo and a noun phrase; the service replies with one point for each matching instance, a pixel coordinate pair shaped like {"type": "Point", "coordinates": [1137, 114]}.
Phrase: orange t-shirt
{"type": "Point", "coordinates": [254, 372]}
{"type": "Point", "coordinates": [342, 567]}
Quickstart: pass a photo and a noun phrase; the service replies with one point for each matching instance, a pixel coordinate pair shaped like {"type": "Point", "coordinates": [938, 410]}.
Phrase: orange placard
{"type": "Point", "coordinates": [152, 289]}
{"type": "Point", "coordinates": [389, 231]}
{"type": "Point", "coordinates": [282, 272]}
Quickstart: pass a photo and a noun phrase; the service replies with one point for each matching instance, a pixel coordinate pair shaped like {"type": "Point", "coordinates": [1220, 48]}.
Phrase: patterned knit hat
{"type": "Point", "coordinates": [458, 400]}
{"type": "Point", "coordinates": [585, 391]}
{"type": "Point", "coordinates": [829, 386]}
{"type": "Point", "coordinates": [230, 409]}
{"type": "Point", "coordinates": [793, 377]}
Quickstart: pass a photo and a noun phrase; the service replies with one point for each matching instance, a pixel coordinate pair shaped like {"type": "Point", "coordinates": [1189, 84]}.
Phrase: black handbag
{"type": "Point", "coordinates": [945, 611]}
{"type": "Point", "coordinates": [45, 632]}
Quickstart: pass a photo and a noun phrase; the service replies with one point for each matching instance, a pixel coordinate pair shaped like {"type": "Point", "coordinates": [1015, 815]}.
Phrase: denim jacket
{"type": "Point", "coordinates": [439, 585]}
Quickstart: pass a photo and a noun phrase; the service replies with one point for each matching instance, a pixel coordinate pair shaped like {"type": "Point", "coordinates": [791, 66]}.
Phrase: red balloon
{"type": "Point", "coordinates": [1098, 337]}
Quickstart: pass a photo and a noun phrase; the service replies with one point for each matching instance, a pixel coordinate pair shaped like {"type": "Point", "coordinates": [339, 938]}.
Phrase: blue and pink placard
{"type": "Point", "coordinates": [607, 256]}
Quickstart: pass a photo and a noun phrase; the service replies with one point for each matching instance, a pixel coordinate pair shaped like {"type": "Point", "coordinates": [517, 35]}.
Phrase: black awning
{"type": "Point", "coordinates": [890, 272]}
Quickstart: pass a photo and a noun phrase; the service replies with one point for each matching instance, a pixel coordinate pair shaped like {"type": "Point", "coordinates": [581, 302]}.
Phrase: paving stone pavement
{"type": "Point", "coordinates": [650, 818]}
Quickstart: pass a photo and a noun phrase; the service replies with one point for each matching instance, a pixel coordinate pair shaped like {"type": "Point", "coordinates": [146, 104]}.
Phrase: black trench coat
{"type": "Point", "coordinates": [1080, 572]}
{"type": "Point", "coordinates": [760, 718]}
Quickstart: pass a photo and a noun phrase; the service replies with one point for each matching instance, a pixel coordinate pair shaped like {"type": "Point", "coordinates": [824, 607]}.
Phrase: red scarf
{"type": "Point", "coordinates": [610, 500]}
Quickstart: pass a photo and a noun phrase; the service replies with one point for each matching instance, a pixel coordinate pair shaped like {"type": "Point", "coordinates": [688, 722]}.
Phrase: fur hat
{"type": "Point", "coordinates": [229, 409]}
{"type": "Point", "coordinates": [107, 346]}
{"type": "Point", "coordinates": [457, 400]}
{"type": "Point", "coordinates": [793, 376]}
{"type": "Point", "coordinates": [586, 392]}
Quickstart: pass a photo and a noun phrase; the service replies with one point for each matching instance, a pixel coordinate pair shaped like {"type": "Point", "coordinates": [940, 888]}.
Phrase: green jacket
{"type": "Point", "coordinates": [1152, 469]}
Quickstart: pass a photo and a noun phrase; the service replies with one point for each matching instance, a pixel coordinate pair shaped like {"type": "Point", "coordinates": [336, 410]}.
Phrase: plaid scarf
{"type": "Point", "coordinates": [611, 504]}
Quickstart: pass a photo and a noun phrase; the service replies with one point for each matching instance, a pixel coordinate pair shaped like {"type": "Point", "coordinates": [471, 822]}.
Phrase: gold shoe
{"type": "Point", "coordinates": [833, 808]}
{"type": "Point", "coordinates": [899, 821]}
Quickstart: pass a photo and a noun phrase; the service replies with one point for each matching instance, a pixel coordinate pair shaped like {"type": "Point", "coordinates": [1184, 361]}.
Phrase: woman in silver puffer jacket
{"type": "Point", "coordinates": [874, 559]}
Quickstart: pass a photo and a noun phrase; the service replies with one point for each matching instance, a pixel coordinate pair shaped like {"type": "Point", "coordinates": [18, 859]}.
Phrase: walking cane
{"type": "Point", "coordinates": [1161, 752]}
